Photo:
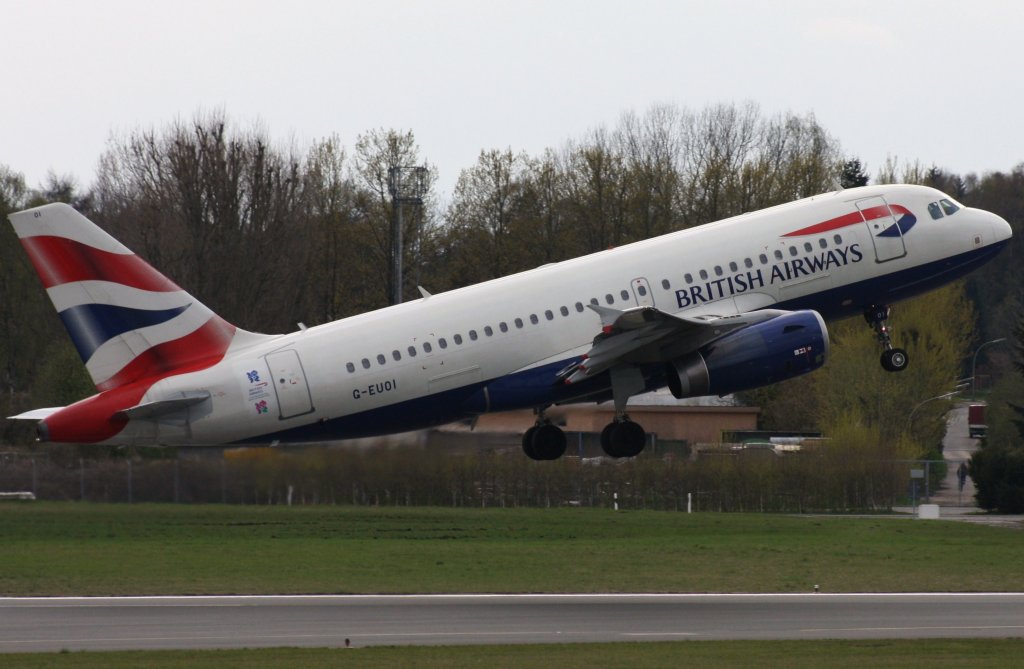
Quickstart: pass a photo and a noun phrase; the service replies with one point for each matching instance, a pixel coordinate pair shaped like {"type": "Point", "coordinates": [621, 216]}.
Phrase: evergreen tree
{"type": "Point", "coordinates": [853, 174]}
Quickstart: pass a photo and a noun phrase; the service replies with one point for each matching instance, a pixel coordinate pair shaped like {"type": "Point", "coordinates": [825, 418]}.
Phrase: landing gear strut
{"type": "Point", "coordinates": [893, 359]}
{"type": "Point", "coordinates": [622, 438]}
{"type": "Point", "coordinates": [544, 441]}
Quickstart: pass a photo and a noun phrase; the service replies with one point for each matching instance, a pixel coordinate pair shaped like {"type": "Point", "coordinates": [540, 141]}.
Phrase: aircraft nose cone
{"type": "Point", "coordinates": [1001, 230]}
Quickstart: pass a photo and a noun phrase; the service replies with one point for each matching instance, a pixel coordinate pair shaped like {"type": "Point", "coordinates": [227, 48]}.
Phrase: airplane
{"type": "Point", "coordinates": [711, 310]}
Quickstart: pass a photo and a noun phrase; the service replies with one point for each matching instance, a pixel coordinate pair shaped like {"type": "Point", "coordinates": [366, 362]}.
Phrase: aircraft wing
{"type": "Point", "coordinates": [648, 335]}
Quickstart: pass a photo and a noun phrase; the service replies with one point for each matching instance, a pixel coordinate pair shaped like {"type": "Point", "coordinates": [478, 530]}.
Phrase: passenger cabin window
{"type": "Point", "coordinates": [642, 290]}
{"type": "Point", "coordinates": [442, 342]}
{"type": "Point", "coordinates": [822, 243]}
{"type": "Point", "coordinates": [763, 258]}
{"type": "Point", "coordinates": [718, 270]}
{"type": "Point", "coordinates": [503, 326]}
{"type": "Point", "coordinates": [534, 319]}
{"type": "Point", "coordinates": [665, 284]}
{"type": "Point", "coordinates": [458, 339]}
{"type": "Point", "coordinates": [579, 307]}
{"type": "Point", "coordinates": [703, 274]}
{"type": "Point", "coordinates": [807, 247]}
{"type": "Point", "coordinates": [488, 330]}
{"type": "Point", "coordinates": [949, 207]}
{"type": "Point", "coordinates": [564, 310]}
{"type": "Point", "coordinates": [381, 359]}
{"type": "Point", "coordinates": [519, 322]}
{"type": "Point", "coordinates": [472, 335]}
{"type": "Point", "coordinates": [350, 367]}
{"type": "Point", "coordinates": [365, 363]}
{"type": "Point", "coordinates": [427, 348]}
{"type": "Point", "coordinates": [778, 254]}
{"type": "Point", "coordinates": [396, 355]}
{"type": "Point", "coordinates": [550, 316]}
{"type": "Point", "coordinates": [838, 239]}
{"type": "Point", "coordinates": [624, 294]}
{"type": "Point", "coordinates": [748, 263]}
{"type": "Point", "coordinates": [412, 351]}
{"type": "Point", "coordinates": [793, 251]}
{"type": "Point", "coordinates": [609, 299]}
{"type": "Point", "coordinates": [733, 267]}
{"type": "Point", "coordinates": [688, 277]}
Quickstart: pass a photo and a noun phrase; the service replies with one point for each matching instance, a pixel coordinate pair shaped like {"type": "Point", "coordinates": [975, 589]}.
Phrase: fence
{"type": "Point", "coordinates": [829, 479]}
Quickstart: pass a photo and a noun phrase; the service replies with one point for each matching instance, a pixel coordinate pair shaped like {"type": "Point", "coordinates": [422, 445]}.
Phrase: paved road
{"type": "Point", "coordinates": [957, 447]}
{"type": "Point", "coordinates": [45, 624]}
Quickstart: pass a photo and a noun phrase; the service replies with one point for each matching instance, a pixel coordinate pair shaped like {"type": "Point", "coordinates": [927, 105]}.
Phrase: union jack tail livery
{"type": "Point", "coordinates": [131, 325]}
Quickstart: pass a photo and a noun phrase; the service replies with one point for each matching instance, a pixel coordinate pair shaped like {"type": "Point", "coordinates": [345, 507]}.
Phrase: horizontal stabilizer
{"type": "Point", "coordinates": [150, 410]}
{"type": "Point", "coordinates": [36, 414]}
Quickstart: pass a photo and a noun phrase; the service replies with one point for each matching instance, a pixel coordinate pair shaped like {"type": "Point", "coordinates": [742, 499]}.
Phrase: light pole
{"type": "Point", "coordinates": [407, 185]}
{"type": "Point", "coordinates": [974, 362]}
{"type": "Point", "coordinates": [910, 419]}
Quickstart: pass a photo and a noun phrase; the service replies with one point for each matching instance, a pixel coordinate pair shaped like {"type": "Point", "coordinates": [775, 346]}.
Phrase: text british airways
{"type": "Point", "coordinates": [781, 272]}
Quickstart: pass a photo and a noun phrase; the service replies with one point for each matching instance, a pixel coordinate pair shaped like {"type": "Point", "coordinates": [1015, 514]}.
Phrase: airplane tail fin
{"type": "Point", "coordinates": [127, 320]}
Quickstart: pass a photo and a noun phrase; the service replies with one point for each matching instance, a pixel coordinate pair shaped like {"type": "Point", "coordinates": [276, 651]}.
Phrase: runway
{"type": "Point", "coordinates": [123, 623]}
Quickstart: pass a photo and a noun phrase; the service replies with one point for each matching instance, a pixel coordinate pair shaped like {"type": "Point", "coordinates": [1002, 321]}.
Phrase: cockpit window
{"type": "Point", "coordinates": [949, 207]}
{"type": "Point", "coordinates": [934, 210]}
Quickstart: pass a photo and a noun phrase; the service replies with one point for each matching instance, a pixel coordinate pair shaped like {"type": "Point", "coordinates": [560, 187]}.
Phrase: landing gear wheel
{"type": "Point", "coordinates": [528, 443]}
{"type": "Point", "coordinates": [623, 439]}
{"type": "Point", "coordinates": [548, 442]}
{"type": "Point", "coordinates": [544, 442]}
{"type": "Point", "coordinates": [894, 360]}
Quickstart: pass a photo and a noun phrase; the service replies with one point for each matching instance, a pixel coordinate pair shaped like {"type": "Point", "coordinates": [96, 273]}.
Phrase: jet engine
{"type": "Point", "coordinates": [774, 350]}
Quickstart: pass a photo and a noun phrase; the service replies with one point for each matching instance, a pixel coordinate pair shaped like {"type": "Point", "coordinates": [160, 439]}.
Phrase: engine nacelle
{"type": "Point", "coordinates": [774, 350]}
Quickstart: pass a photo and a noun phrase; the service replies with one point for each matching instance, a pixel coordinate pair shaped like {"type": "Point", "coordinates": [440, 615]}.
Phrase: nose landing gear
{"type": "Point", "coordinates": [893, 359]}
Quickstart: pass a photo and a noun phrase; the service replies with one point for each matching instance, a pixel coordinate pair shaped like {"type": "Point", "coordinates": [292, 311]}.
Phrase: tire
{"type": "Point", "coordinates": [547, 442]}
{"type": "Point", "coordinates": [895, 360]}
{"type": "Point", "coordinates": [528, 443]}
{"type": "Point", "coordinates": [606, 440]}
{"type": "Point", "coordinates": [625, 439]}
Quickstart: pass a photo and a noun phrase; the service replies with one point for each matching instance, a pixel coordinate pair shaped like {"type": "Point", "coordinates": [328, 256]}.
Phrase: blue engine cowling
{"type": "Point", "coordinates": [774, 350]}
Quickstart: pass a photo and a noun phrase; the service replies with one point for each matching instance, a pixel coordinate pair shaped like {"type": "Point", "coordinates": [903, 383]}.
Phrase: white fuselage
{"type": "Point", "coordinates": [432, 360]}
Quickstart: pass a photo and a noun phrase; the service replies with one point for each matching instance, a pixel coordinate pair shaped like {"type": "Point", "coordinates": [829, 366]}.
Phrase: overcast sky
{"type": "Point", "coordinates": [939, 81]}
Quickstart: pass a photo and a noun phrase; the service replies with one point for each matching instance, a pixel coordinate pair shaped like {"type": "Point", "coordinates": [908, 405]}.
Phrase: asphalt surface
{"type": "Point", "coordinates": [51, 624]}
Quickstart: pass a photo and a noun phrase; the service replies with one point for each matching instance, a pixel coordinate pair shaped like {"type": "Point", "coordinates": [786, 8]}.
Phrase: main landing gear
{"type": "Point", "coordinates": [893, 359]}
{"type": "Point", "coordinates": [622, 438]}
{"type": "Point", "coordinates": [544, 441]}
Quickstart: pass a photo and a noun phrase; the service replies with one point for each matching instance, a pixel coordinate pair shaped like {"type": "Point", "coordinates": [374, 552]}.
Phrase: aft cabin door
{"type": "Point", "coordinates": [884, 228]}
{"type": "Point", "coordinates": [289, 379]}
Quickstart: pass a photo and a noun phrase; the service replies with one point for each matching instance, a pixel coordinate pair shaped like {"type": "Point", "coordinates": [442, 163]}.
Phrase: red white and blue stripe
{"type": "Point", "coordinates": [128, 322]}
{"type": "Point", "coordinates": [905, 220]}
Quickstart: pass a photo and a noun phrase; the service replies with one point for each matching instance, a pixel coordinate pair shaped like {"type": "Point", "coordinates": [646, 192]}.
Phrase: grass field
{"type": "Point", "coordinates": [931, 653]}
{"type": "Point", "coordinates": [87, 549]}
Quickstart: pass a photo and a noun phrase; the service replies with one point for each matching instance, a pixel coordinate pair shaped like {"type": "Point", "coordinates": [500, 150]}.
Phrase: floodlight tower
{"type": "Point", "coordinates": [407, 185]}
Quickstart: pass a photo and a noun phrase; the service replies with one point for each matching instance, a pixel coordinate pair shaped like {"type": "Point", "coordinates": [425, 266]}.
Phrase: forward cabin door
{"type": "Point", "coordinates": [289, 380]}
{"type": "Point", "coordinates": [884, 228]}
